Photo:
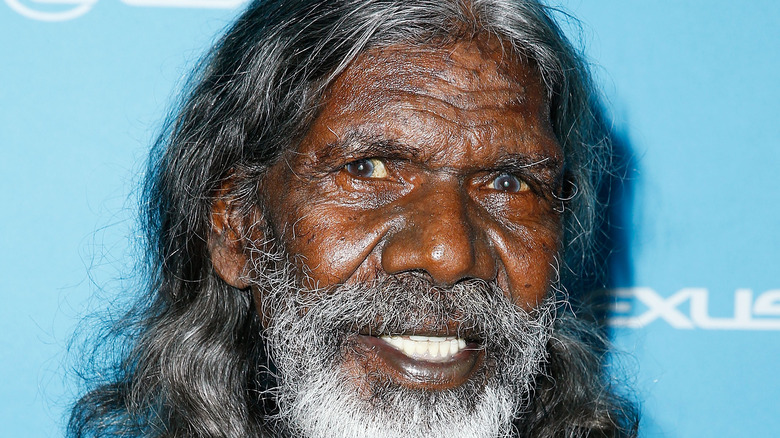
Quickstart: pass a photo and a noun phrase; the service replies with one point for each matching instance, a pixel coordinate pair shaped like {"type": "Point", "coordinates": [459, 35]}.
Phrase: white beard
{"type": "Point", "coordinates": [325, 407]}
{"type": "Point", "coordinates": [316, 399]}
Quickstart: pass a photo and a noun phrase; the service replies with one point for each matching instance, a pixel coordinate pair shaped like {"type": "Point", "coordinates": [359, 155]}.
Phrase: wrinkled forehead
{"type": "Point", "coordinates": [469, 100]}
{"type": "Point", "coordinates": [462, 75]}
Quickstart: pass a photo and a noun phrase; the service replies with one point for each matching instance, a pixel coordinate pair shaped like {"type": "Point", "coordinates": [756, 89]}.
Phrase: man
{"type": "Point", "coordinates": [360, 224]}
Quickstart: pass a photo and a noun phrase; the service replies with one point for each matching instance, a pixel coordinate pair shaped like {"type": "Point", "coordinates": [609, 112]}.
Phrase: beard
{"type": "Point", "coordinates": [310, 332]}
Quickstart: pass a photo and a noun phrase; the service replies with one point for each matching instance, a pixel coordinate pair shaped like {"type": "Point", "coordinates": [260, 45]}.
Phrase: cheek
{"type": "Point", "coordinates": [330, 243]}
{"type": "Point", "coordinates": [528, 256]}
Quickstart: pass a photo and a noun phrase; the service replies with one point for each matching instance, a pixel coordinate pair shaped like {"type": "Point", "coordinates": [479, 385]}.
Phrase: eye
{"type": "Point", "coordinates": [509, 183]}
{"type": "Point", "coordinates": [367, 168]}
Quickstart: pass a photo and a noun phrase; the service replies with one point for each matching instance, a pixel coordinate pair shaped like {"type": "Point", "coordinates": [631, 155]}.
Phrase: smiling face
{"type": "Point", "coordinates": [425, 166]}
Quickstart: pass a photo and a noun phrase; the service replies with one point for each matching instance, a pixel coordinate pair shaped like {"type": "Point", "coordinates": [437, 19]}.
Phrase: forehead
{"type": "Point", "coordinates": [465, 99]}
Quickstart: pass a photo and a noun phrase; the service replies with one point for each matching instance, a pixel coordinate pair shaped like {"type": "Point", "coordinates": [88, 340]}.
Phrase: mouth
{"type": "Point", "coordinates": [420, 362]}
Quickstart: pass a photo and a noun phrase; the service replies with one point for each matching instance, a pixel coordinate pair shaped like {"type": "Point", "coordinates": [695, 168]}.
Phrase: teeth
{"type": "Point", "coordinates": [444, 348]}
{"type": "Point", "coordinates": [427, 347]}
{"type": "Point", "coordinates": [409, 348]}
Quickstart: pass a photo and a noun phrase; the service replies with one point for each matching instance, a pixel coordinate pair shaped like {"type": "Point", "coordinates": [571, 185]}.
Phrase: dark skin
{"type": "Point", "coordinates": [439, 162]}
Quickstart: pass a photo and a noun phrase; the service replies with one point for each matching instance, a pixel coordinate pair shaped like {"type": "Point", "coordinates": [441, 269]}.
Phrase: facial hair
{"type": "Point", "coordinates": [310, 331]}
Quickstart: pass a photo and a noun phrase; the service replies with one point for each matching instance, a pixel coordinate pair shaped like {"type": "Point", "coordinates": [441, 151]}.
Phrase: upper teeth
{"type": "Point", "coordinates": [427, 347]}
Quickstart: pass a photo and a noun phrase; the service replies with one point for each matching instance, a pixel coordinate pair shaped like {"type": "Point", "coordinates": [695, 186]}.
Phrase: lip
{"type": "Point", "coordinates": [381, 357]}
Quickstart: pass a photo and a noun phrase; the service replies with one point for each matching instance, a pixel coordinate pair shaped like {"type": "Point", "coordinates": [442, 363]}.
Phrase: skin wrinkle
{"type": "Point", "coordinates": [465, 120]}
{"type": "Point", "coordinates": [250, 103]}
{"type": "Point", "coordinates": [406, 79]}
{"type": "Point", "coordinates": [361, 145]}
{"type": "Point", "coordinates": [452, 107]}
{"type": "Point", "coordinates": [435, 161]}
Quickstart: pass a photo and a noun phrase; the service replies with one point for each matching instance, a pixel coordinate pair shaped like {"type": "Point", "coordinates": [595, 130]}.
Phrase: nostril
{"type": "Point", "coordinates": [420, 274]}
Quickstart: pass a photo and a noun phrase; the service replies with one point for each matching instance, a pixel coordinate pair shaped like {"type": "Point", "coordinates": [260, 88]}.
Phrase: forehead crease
{"type": "Point", "coordinates": [465, 111]}
{"type": "Point", "coordinates": [465, 67]}
{"type": "Point", "coordinates": [467, 105]}
{"type": "Point", "coordinates": [472, 118]}
{"type": "Point", "coordinates": [469, 99]}
{"type": "Point", "coordinates": [446, 86]}
{"type": "Point", "coordinates": [473, 100]}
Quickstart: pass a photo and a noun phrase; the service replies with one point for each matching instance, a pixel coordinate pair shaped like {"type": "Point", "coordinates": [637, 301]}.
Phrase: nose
{"type": "Point", "coordinates": [440, 236]}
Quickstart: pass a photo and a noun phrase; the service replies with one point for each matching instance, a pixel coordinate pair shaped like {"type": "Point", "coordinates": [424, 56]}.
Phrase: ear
{"type": "Point", "coordinates": [228, 240]}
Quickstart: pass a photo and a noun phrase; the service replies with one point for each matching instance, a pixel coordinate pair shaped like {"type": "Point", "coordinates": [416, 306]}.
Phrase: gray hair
{"type": "Point", "coordinates": [180, 362]}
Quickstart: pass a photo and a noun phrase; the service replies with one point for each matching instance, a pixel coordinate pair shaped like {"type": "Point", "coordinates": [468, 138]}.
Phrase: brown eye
{"type": "Point", "coordinates": [509, 183]}
{"type": "Point", "coordinates": [367, 168]}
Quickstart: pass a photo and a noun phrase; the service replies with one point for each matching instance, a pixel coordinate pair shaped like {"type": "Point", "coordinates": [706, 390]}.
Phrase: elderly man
{"type": "Point", "coordinates": [361, 223]}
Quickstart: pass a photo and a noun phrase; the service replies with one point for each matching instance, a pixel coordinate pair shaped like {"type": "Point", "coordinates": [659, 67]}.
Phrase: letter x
{"type": "Point", "coordinates": [664, 308]}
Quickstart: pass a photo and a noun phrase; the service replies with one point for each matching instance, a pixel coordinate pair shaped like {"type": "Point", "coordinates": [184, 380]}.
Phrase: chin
{"type": "Point", "coordinates": [332, 405]}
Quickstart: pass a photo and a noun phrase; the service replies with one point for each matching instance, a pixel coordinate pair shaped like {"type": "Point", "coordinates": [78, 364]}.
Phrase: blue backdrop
{"type": "Point", "coordinates": [692, 89]}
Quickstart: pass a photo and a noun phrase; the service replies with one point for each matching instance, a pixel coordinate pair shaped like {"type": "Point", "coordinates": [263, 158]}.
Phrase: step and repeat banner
{"type": "Point", "coordinates": [693, 92]}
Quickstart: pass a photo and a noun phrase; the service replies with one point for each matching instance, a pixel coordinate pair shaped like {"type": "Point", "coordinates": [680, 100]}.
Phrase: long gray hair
{"type": "Point", "coordinates": [182, 361]}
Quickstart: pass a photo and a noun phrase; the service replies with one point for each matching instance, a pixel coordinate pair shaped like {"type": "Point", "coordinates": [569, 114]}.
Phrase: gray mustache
{"type": "Point", "coordinates": [408, 304]}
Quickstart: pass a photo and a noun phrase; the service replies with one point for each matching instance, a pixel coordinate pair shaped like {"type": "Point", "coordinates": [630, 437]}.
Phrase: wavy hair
{"type": "Point", "coordinates": [182, 361]}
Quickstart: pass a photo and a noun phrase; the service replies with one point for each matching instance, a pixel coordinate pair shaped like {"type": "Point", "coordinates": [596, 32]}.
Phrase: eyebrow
{"type": "Point", "coordinates": [523, 162]}
{"type": "Point", "coordinates": [357, 145]}
{"type": "Point", "coordinates": [360, 145]}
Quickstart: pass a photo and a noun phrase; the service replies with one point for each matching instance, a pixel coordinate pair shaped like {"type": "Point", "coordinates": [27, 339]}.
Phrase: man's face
{"type": "Point", "coordinates": [430, 170]}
